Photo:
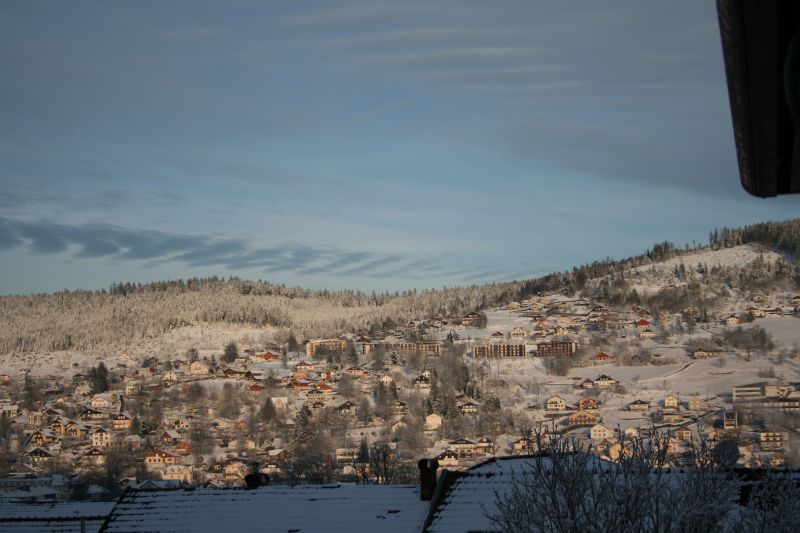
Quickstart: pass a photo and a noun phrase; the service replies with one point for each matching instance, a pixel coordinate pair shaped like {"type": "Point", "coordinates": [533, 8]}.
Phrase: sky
{"type": "Point", "coordinates": [368, 145]}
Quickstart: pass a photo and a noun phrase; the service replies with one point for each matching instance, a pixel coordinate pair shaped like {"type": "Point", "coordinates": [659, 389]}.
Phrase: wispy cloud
{"type": "Point", "coordinates": [157, 247]}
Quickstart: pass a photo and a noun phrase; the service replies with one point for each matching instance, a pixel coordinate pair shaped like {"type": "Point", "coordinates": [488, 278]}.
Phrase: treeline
{"type": "Point", "coordinates": [783, 236]}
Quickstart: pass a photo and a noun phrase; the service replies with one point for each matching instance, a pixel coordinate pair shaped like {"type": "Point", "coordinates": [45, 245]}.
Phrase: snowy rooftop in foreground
{"type": "Point", "coordinates": [309, 508]}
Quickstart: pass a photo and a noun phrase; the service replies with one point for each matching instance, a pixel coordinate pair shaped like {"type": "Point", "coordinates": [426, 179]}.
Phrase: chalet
{"type": "Point", "coordinates": [471, 319]}
{"type": "Point", "coordinates": [672, 402]}
{"type": "Point", "coordinates": [399, 407]}
{"type": "Point", "coordinates": [705, 353]}
{"type": "Point", "coordinates": [122, 422]}
{"type": "Point", "coordinates": [670, 417]}
{"type": "Point", "coordinates": [40, 455]}
{"type": "Point", "coordinates": [683, 433]}
{"type": "Point", "coordinates": [519, 333]}
{"type": "Point", "coordinates": [697, 403]}
{"type": "Point", "coordinates": [422, 382]}
{"type": "Point", "coordinates": [469, 408]}
{"type": "Point", "coordinates": [198, 369]}
{"type": "Point", "coordinates": [605, 382]}
{"type": "Point", "coordinates": [639, 405]}
{"type": "Point", "coordinates": [587, 402]}
{"type": "Point", "coordinates": [448, 459]}
{"type": "Point", "coordinates": [95, 457]}
{"type": "Point", "coordinates": [179, 473]}
{"type": "Point", "coordinates": [347, 408]}
{"type": "Point", "coordinates": [600, 432]}
{"type": "Point", "coordinates": [100, 402]}
{"type": "Point", "coordinates": [731, 320]}
{"type": "Point", "coordinates": [601, 358]}
{"type": "Point", "coordinates": [647, 334]}
{"type": "Point", "coordinates": [583, 417]}
{"type": "Point", "coordinates": [357, 371]}
{"type": "Point", "coordinates": [268, 356]}
{"type": "Point", "coordinates": [463, 447]}
{"type": "Point", "coordinates": [159, 458]}
{"type": "Point", "coordinates": [101, 438]}
{"type": "Point", "coordinates": [170, 437]}
{"type": "Point", "coordinates": [586, 384]}
{"type": "Point", "coordinates": [73, 429]}
{"type": "Point", "coordinates": [42, 437]}
{"type": "Point", "coordinates": [556, 403]}
{"type": "Point", "coordinates": [183, 448]}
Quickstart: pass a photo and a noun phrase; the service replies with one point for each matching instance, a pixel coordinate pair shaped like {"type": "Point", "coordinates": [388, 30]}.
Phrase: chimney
{"type": "Point", "coordinates": [427, 478]}
{"type": "Point", "coordinates": [255, 478]}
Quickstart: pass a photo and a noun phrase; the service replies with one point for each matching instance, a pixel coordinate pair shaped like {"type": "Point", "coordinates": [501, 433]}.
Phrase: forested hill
{"type": "Point", "coordinates": [127, 314]}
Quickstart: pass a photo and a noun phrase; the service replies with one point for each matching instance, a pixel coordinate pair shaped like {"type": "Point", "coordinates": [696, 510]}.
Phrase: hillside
{"type": "Point", "coordinates": [207, 312]}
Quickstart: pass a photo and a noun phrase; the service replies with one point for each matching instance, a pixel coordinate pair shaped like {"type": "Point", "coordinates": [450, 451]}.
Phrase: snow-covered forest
{"type": "Point", "coordinates": [127, 314]}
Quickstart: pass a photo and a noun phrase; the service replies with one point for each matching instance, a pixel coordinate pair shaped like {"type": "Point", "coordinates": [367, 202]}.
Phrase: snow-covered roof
{"type": "Point", "coordinates": [305, 508]}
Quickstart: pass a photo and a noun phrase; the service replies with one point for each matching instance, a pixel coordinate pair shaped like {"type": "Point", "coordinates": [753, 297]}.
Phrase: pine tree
{"type": "Point", "coordinates": [352, 356]}
{"type": "Point", "coordinates": [98, 377]}
{"type": "Point", "coordinates": [231, 353]}
{"type": "Point", "coordinates": [268, 412]}
{"type": "Point", "coordinates": [302, 427]}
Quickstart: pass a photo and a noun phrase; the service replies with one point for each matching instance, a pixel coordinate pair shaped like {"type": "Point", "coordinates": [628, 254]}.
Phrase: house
{"type": "Point", "coordinates": [198, 369]}
{"type": "Point", "coordinates": [587, 402]}
{"type": "Point", "coordinates": [639, 405]}
{"type": "Point", "coordinates": [170, 437]}
{"type": "Point", "coordinates": [583, 417]}
{"type": "Point", "coordinates": [100, 402]}
{"type": "Point", "coordinates": [498, 335]}
{"type": "Point", "coordinates": [683, 433]}
{"type": "Point", "coordinates": [731, 320]}
{"type": "Point", "coordinates": [399, 407]}
{"type": "Point", "coordinates": [472, 319]}
{"type": "Point", "coordinates": [642, 323]}
{"type": "Point", "coordinates": [101, 438]}
{"type": "Point", "coordinates": [463, 447]}
{"type": "Point", "coordinates": [40, 455]}
{"type": "Point", "coordinates": [729, 420]}
{"type": "Point", "coordinates": [647, 334]}
{"type": "Point", "coordinates": [95, 457]}
{"type": "Point", "coordinates": [600, 432]}
{"type": "Point", "coordinates": [773, 439]}
{"type": "Point", "coordinates": [705, 353]}
{"type": "Point", "coordinates": [448, 459]}
{"type": "Point", "coordinates": [672, 402]}
{"type": "Point", "coordinates": [422, 382]}
{"type": "Point", "coordinates": [180, 473]}
{"type": "Point", "coordinates": [605, 382]}
{"type": "Point", "coordinates": [268, 356]}
{"type": "Point", "coordinates": [556, 403]}
{"type": "Point", "coordinates": [122, 422]}
{"type": "Point", "coordinates": [601, 358]}
{"type": "Point", "coordinates": [697, 403]}
{"type": "Point", "coordinates": [159, 458]}
{"type": "Point", "coordinates": [519, 333]}
{"type": "Point", "coordinates": [586, 384]}
{"type": "Point", "coordinates": [347, 408]}
{"type": "Point", "coordinates": [469, 408]}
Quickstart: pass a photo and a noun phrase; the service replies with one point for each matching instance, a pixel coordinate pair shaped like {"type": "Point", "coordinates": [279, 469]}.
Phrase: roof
{"type": "Point", "coordinates": [305, 508]}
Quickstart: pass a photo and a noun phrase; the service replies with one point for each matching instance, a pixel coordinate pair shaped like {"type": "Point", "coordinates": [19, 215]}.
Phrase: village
{"type": "Point", "coordinates": [462, 390]}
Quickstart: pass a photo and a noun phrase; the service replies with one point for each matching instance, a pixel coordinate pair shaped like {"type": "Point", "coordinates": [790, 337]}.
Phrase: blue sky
{"type": "Point", "coordinates": [373, 145]}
